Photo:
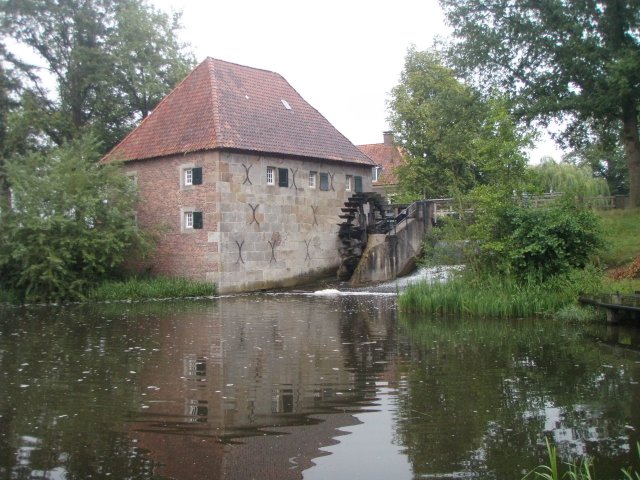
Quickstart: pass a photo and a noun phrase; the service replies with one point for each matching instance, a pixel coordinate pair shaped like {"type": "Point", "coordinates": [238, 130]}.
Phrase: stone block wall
{"type": "Point", "coordinates": [254, 235]}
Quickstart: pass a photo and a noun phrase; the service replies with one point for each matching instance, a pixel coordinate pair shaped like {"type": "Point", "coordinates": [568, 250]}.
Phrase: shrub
{"type": "Point", "coordinates": [71, 223]}
{"type": "Point", "coordinates": [535, 242]}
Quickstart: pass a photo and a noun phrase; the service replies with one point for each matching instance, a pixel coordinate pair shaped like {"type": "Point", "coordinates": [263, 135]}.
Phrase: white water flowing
{"type": "Point", "coordinates": [431, 274]}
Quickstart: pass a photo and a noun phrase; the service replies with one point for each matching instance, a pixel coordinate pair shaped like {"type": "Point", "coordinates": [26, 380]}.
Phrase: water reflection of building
{"type": "Point", "coordinates": [232, 383]}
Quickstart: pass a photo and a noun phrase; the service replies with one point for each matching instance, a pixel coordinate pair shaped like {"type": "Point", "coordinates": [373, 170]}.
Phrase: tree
{"type": "Point", "coordinates": [577, 62]}
{"type": "Point", "coordinates": [111, 60]}
{"type": "Point", "coordinates": [70, 223]}
{"type": "Point", "coordinates": [455, 138]}
{"type": "Point", "coordinates": [564, 177]}
{"type": "Point", "coordinates": [147, 61]}
{"type": "Point", "coordinates": [605, 158]}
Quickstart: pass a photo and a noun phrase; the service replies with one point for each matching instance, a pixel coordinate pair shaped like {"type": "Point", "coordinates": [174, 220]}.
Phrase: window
{"type": "Point", "coordinates": [375, 173]}
{"type": "Point", "coordinates": [191, 176]}
{"type": "Point", "coordinates": [358, 184]}
{"type": "Point", "coordinates": [324, 181]}
{"type": "Point", "coordinates": [283, 177]}
{"type": "Point", "coordinates": [271, 171]}
{"type": "Point", "coordinates": [347, 183]}
{"type": "Point", "coordinates": [192, 220]}
{"type": "Point", "coordinates": [312, 179]}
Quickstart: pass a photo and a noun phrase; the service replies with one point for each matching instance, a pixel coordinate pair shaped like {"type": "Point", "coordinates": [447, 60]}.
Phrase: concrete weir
{"type": "Point", "coordinates": [394, 254]}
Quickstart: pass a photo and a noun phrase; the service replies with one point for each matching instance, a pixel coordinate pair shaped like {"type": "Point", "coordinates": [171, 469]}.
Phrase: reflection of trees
{"type": "Point", "coordinates": [482, 393]}
{"type": "Point", "coordinates": [66, 354]}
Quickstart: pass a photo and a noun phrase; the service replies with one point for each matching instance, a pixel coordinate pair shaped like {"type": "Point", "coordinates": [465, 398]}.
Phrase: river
{"type": "Point", "coordinates": [328, 384]}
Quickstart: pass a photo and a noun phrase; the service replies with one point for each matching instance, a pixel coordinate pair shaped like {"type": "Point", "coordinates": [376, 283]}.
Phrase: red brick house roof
{"type": "Point", "coordinates": [222, 105]}
{"type": "Point", "coordinates": [388, 156]}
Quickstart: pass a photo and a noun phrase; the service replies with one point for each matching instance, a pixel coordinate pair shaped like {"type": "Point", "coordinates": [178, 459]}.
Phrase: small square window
{"type": "Point", "coordinates": [312, 179]}
{"type": "Point", "coordinates": [271, 174]}
{"type": "Point", "coordinates": [347, 183]}
{"type": "Point", "coordinates": [193, 220]}
{"type": "Point", "coordinates": [192, 176]}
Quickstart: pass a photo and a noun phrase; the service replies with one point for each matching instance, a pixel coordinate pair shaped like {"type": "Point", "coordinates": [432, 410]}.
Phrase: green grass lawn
{"type": "Point", "coordinates": [622, 244]}
{"type": "Point", "coordinates": [622, 236]}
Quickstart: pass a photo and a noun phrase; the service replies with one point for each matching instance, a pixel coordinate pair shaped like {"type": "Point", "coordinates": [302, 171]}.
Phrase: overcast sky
{"type": "Point", "coordinates": [343, 57]}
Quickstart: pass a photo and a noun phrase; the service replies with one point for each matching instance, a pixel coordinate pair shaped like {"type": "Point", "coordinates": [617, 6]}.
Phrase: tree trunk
{"type": "Point", "coordinates": [631, 146]}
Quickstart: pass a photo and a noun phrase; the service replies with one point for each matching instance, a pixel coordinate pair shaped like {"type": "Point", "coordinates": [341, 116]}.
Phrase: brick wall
{"type": "Point", "coordinates": [255, 235]}
{"type": "Point", "coordinates": [179, 252]}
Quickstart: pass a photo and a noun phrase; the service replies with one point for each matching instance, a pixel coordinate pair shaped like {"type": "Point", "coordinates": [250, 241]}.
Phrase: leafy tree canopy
{"type": "Point", "coordinates": [102, 64]}
{"type": "Point", "coordinates": [71, 222]}
{"type": "Point", "coordinates": [567, 178]}
{"type": "Point", "coordinates": [573, 61]}
{"type": "Point", "coordinates": [454, 137]}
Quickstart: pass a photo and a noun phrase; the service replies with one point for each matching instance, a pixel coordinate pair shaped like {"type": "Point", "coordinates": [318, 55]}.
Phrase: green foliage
{"type": "Point", "coordinates": [572, 62]}
{"type": "Point", "coordinates": [455, 138]}
{"type": "Point", "coordinates": [606, 159]}
{"type": "Point", "coordinates": [156, 288]}
{"type": "Point", "coordinates": [549, 241]}
{"type": "Point", "coordinates": [622, 230]}
{"type": "Point", "coordinates": [499, 296]}
{"type": "Point", "coordinates": [552, 177]}
{"type": "Point", "coordinates": [629, 474]}
{"type": "Point", "coordinates": [71, 222]}
{"type": "Point", "coordinates": [111, 61]}
{"type": "Point", "coordinates": [581, 469]}
{"type": "Point", "coordinates": [540, 242]}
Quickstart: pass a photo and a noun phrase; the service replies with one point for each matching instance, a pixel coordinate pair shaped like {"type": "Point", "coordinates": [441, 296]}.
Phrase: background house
{"type": "Point", "coordinates": [387, 156]}
{"type": "Point", "coordinates": [242, 180]}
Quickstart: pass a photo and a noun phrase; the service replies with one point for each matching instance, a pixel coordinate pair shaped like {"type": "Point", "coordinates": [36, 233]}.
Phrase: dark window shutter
{"type": "Point", "coordinates": [283, 177]}
{"type": "Point", "coordinates": [197, 176]}
{"type": "Point", "coordinates": [358, 184]}
{"type": "Point", "coordinates": [324, 181]}
{"type": "Point", "coordinates": [197, 220]}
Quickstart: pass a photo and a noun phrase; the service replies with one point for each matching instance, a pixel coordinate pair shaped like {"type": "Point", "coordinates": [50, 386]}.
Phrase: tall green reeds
{"type": "Point", "coordinates": [581, 469]}
{"type": "Point", "coordinates": [498, 296]}
{"type": "Point", "coordinates": [152, 288]}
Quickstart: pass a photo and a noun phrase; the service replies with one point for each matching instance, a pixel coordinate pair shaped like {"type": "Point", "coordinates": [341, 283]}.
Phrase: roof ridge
{"type": "Point", "coordinates": [241, 65]}
{"type": "Point", "coordinates": [224, 105]}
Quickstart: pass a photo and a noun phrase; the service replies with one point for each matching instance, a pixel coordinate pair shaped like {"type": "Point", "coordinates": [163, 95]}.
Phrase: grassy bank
{"type": "Point", "coordinates": [622, 231]}
{"type": "Point", "coordinates": [135, 289]}
{"type": "Point", "coordinates": [497, 296]}
{"type": "Point", "coordinates": [151, 288]}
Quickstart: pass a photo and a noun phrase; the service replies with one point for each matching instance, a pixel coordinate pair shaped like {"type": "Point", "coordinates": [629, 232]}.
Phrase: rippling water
{"type": "Point", "coordinates": [329, 383]}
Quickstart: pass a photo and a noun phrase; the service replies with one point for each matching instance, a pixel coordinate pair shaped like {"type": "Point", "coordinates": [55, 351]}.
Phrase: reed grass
{"type": "Point", "coordinates": [580, 469]}
{"type": "Point", "coordinates": [151, 288]}
{"type": "Point", "coordinates": [499, 296]}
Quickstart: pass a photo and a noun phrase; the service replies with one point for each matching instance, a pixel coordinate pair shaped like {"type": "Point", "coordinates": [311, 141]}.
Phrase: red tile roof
{"type": "Point", "coordinates": [222, 105]}
{"type": "Point", "coordinates": [388, 157]}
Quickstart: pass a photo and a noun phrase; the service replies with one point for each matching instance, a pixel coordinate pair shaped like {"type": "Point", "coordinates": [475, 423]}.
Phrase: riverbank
{"type": "Point", "coordinates": [615, 269]}
{"type": "Point", "coordinates": [135, 289]}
